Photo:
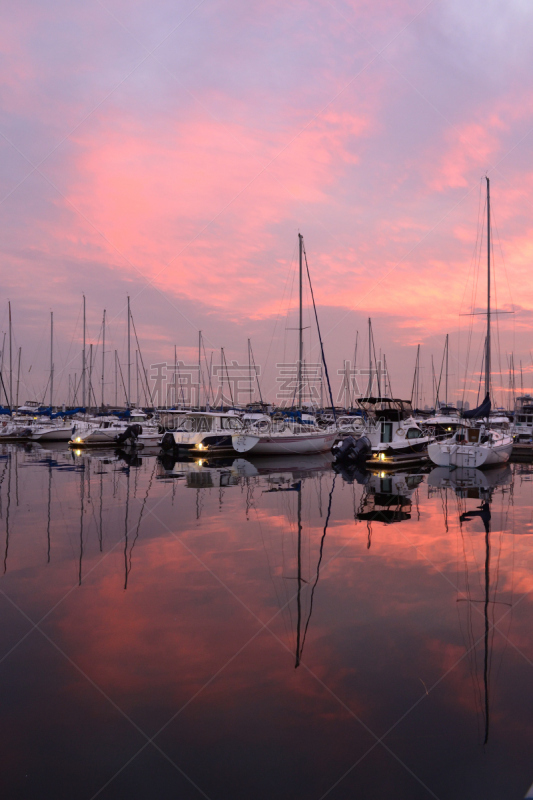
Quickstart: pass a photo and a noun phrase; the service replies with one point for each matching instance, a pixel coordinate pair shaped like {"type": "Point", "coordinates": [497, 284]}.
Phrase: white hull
{"type": "Point", "coordinates": [476, 456]}
{"type": "Point", "coordinates": [148, 439]}
{"type": "Point", "coordinates": [52, 435]}
{"type": "Point", "coordinates": [299, 444]}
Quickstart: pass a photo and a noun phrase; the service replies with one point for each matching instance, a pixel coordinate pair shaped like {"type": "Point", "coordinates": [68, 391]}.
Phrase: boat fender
{"type": "Point", "coordinates": [400, 432]}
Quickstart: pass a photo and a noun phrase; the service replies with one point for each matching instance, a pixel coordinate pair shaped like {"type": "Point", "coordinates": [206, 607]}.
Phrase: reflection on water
{"type": "Point", "coordinates": [160, 607]}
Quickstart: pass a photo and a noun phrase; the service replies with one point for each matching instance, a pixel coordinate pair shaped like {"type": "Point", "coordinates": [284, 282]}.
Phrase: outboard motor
{"type": "Point", "coordinates": [167, 442]}
{"type": "Point", "coordinates": [131, 433]}
{"type": "Point", "coordinates": [351, 450]}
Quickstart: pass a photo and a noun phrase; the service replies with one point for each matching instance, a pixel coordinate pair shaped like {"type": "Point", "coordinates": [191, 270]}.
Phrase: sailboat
{"type": "Point", "coordinates": [295, 436]}
{"type": "Point", "coordinates": [479, 446]}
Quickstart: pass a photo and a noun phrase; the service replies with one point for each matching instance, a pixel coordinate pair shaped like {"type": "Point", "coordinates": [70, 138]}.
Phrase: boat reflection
{"type": "Point", "coordinates": [480, 486]}
{"type": "Point", "coordinates": [224, 472]}
{"type": "Point", "coordinates": [470, 482]}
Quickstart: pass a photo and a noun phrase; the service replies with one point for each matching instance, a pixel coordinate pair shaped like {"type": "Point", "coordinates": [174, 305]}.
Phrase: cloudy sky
{"type": "Point", "coordinates": [172, 151]}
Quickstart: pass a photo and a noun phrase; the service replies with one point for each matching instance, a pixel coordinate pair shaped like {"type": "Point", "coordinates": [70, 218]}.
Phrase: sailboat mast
{"type": "Point", "coordinates": [129, 355]}
{"type": "Point", "coordinates": [487, 354]}
{"type": "Point", "coordinates": [83, 362]}
{"type": "Point", "coordinates": [446, 384]}
{"type": "Point", "coordinates": [18, 378]}
{"type": "Point", "coordinates": [137, 402]}
{"type": "Point", "coordinates": [103, 357]}
{"type": "Point", "coordinates": [90, 373]}
{"type": "Point", "coordinates": [10, 359]}
{"type": "Point", "coordinates": [175, 377]}
{"type": "Point", "coordinates": [199, 364]}
{"type": "Point", "coordinates": [250, 370]}
{"type": "Point", "coordinates": [301, 341]}
{"type": "Point", "coordinates": [51, 358]}
{"type": "Point", "coordinates": [369, 391]}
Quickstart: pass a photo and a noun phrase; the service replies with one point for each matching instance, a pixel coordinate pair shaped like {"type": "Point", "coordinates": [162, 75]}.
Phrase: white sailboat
{"type": "Point", "coordinates": [266, 437]}
{"type": "Point", "coordinates": [480, 446]}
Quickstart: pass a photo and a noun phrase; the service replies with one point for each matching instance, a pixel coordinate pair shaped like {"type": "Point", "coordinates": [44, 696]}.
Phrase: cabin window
{"type": "Point", "coordinates": [204, 424]}
{"type": "Point", "coordinates": [414, 433]}
{"type": "Point", "coordinates": [522, 419]}
{"type": "Point", "coordinates": [230, 423]}
{"type": "Point", "coordinates": [386, 432]}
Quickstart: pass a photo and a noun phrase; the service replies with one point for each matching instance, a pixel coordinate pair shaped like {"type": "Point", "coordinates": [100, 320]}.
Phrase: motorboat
{"type": "Point", "coordinates": [200, 431]}
{"type": "Point", "coordinates": [387, 443]}
{"type": "Point", "coordinates": [523, 418]}
{"type": "Point", "coordinates": [269, 437]}
{"type": "Point", "coordinates": [112, 430]}
{"type": "Point", "coordinates": [52, 431]}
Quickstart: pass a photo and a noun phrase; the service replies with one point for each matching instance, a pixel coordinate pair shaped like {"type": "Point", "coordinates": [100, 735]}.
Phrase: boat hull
{"type": "Point", "coordinates": [52, 435]}
{"type": "Point", "coordinates": [470, 456]}
{"type": "Point", "coordinates": [284, 445]}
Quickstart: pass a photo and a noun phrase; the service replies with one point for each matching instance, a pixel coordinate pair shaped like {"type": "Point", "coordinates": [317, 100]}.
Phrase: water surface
{"type": "Point", "coordinates": [266, 629]}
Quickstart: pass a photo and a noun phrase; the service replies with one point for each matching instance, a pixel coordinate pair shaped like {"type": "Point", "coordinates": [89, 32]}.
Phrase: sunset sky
{"type": "Point", "coordinates": [173, 151]}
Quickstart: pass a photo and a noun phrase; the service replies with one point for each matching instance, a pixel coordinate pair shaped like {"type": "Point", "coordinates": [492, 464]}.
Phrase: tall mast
{"type": "Point", "coordinates": [222, 375]}
{"type": "Point", "coordinates": [346, 385]}
{"type": "Point", "coordinates": [103, 357]}
{"type": "Point", "coordinates": [137, 378]}
{"type": "Point", "coordinates": [352, 400]}
{"type": "Point", "coordinates": [10, 359]}
{"type": "Point", "coordinates": [369, 391]}
{"type": "Point", "coordinates": [300, 327]}
{"type": "Point", "coordinates": [83, 362]}
{"type": "Point", "coordinates": [446, 382]}
{"type": "Point", "coordinates": [129, 355]}
{"type": "Point", "coordinates": [51, 358]}
{"type": "Point", "coordinates": [487, 353]}
{"type": "Point", "coordinates": [199, 364]}
{"type": "Point", "coordinates": [116, 379]}
{"type": "Point", "coordinates": [18, 378]}
{"type": "Point", "coordinates": [175, 403]}
{"type": "Point", "coordinates": [90, 373]}
{"type": "Point", "coordinates": [250, 370]}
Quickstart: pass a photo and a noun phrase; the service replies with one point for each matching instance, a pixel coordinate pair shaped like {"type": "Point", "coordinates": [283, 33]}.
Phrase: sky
{"type": "Point", "coordinates": [173, 152]}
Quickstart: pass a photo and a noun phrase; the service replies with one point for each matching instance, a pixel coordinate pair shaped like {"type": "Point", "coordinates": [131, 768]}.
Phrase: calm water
{"type": "Point", "coordinates": [263, 630]}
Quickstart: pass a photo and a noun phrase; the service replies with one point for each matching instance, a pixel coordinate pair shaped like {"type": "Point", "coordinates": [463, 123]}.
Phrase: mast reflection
{"type": "Point", "coordinates": [478, 485]}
